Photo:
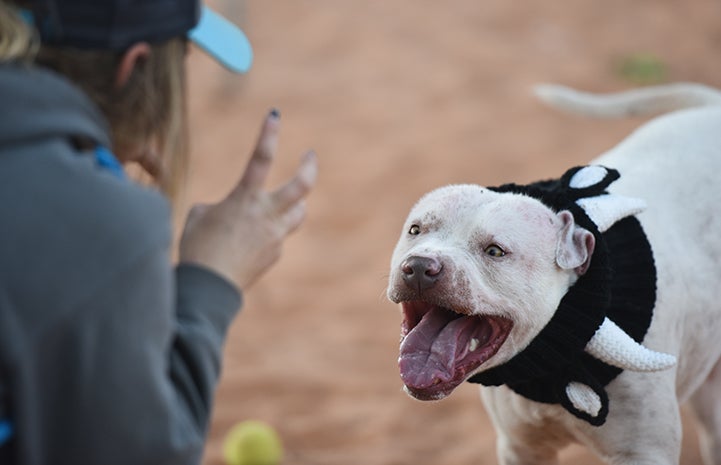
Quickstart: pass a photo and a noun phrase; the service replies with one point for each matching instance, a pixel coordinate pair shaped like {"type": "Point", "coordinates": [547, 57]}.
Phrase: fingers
{"type": "Point", "coordinates": [298, 187]}
{"type": "Point", "coordinates": [285, 204]}
{"type": "Point", "coordinates": [259, 164]}
{"type": "Point", "coordinates": [294, 217]}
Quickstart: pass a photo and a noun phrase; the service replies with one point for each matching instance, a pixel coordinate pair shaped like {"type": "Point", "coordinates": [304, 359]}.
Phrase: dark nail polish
{"type": "Point", "coordinates": [275, 113]}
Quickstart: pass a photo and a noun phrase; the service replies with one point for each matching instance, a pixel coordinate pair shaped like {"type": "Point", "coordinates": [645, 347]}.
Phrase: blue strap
{"type": "Point", "coordinates": [6, 431]}
{"type": "Point", "coordinates": [105, 159]}
{"type": "Point", "coordinates": [27, 16]}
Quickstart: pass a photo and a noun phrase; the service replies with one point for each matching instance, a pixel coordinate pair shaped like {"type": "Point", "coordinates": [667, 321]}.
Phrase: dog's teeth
{"type": "Point", "coordinates": [473, 345]}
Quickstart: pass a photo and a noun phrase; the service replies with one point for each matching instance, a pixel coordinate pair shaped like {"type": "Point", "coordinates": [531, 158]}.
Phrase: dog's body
{"type": "Point", "coordinates": [503, 258]}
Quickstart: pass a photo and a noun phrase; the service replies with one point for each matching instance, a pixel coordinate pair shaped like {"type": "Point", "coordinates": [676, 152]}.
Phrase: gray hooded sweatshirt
{"type": "Point", "coordinates": [108, 353]}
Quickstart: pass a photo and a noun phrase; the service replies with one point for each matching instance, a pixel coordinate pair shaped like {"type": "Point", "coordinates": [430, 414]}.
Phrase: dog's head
{"type": "Point", "coordinates": [478, 274]}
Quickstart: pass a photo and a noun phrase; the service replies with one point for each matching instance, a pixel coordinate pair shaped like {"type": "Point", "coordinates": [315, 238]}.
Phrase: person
{"type": "Point", "coordinates": [110, 353]}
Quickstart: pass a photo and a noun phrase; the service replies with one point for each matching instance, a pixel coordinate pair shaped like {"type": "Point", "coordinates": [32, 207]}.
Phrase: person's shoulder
{"type": "Point", "coordinates": [56, 176]}
{"type": "Point", "coordinates": [61, 202]}
{"type": "Point", "coordinates": [72, 228]}
{"type": "Point", "coordinates": [117, 203]}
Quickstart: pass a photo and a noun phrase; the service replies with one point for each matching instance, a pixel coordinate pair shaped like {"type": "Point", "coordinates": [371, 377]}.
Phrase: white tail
{"type": "Point", "coordinates": [645, 101]}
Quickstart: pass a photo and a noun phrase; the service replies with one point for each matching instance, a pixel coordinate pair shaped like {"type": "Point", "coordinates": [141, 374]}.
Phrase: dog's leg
{"type": "Point", "coordinates": [513, 450]}
{"type": "Point", "coordinates": [644, 422]}
{"type": "Point", "coordinates": [524, 436]}
{"type": "Point", "coordinates": [706, 403]}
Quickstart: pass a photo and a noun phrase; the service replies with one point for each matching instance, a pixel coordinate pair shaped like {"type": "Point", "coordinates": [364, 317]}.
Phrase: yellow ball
{"type": "Point", "coordinates": [252, 443]}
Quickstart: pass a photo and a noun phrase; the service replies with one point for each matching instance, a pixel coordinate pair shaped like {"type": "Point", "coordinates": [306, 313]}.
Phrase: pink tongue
{"type": "Point", "coordinates": [431, 352]}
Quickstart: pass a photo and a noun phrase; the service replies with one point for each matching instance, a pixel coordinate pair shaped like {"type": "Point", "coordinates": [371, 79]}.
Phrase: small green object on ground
{"type": "Point", "coordinates": [252, 442]}
{"type": "Point", "coordinates": [643, 69]}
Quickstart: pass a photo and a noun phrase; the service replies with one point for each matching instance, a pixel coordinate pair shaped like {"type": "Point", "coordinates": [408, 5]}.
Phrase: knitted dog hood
{"type": "Point", "coordinates": [599, 324]}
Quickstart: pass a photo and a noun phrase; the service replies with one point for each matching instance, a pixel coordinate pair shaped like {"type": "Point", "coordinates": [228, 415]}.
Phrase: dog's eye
{"type": "Point", "coordinates": [414, 230]}
{"type": "Point", "coordinates": [494, 251]}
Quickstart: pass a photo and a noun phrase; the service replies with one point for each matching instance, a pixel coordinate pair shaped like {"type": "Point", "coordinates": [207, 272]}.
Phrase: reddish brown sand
{"type": "Point", "coordinates": [399, 97]}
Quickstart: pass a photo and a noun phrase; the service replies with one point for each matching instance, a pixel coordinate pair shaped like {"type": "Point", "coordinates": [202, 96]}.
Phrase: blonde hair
{"type": "Point", "coordinates": [150, 110]}
{"type": "Point", "coordinates": [17, 40]}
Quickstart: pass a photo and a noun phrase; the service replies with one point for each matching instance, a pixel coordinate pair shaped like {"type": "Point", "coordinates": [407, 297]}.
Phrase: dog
{"type": "Point", "coordinates": [588, 306]}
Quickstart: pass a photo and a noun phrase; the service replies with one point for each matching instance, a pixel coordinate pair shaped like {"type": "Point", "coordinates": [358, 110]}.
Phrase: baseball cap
{"type": "Point", "coordinates": [117, 24]}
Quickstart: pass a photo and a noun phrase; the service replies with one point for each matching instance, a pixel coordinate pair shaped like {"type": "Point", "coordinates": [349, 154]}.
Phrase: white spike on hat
{"type": "Point", "coordinates": [613, 346]}
{"type": "Point", "coordinates": [605, 210]}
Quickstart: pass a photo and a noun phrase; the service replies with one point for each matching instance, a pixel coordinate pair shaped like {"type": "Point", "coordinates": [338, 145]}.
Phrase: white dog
{"type": "Point", "coordinates": [588, 306]}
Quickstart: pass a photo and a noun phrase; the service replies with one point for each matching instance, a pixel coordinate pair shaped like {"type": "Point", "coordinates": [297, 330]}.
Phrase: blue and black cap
{"type": "Point", "coordinates": [117, 24]}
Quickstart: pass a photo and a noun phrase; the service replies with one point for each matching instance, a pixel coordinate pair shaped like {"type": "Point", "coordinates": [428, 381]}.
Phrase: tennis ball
{"type": "Point", "coordinates": [252, 443]}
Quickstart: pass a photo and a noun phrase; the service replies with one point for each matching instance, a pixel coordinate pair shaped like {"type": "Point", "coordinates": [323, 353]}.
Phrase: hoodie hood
{"type": "Point", "coordinates": [38, 104]}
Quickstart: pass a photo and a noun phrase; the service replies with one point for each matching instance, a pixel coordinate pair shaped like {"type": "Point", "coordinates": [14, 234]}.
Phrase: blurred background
{"type": "Point", "coordinates": [399, 97]}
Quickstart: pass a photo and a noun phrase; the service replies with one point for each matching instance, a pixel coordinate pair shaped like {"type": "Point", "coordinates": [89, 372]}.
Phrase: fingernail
{"type": "Point", "coordinates": [275, 113]}
{"type": "Point", "coordinates": [310, 154]}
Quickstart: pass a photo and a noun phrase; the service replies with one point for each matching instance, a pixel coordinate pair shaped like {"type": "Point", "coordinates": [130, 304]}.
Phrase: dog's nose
{"type": "Point", "coordinates": [420, 273]}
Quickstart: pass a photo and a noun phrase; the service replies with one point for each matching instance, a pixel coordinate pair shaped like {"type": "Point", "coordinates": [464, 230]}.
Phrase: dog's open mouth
{"type": "Point", "coordinates": [440, 347]}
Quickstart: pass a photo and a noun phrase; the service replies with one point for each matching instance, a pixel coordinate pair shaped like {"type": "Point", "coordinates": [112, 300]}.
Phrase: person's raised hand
{"type": "Point", "coordinates": [241, 236]}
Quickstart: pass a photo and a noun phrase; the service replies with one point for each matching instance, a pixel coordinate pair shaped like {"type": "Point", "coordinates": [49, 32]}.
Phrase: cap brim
{"type": "Point", "coordinates": [222, 40]}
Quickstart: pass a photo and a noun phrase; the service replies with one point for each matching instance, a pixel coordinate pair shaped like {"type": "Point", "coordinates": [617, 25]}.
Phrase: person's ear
{"type": "Point", "coordinates": [135, 54]}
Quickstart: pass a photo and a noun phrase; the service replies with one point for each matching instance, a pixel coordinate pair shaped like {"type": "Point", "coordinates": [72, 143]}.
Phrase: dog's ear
{"type": "Point", "coordinates": [575, 245]}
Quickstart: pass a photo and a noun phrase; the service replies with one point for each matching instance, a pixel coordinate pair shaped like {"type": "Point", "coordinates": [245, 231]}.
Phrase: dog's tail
{"type": "Point", "coordinates": [644, 101]}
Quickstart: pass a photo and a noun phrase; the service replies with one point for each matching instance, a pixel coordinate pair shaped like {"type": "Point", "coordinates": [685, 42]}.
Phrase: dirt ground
{"type": "Point", "coordinates": [399, 97]}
